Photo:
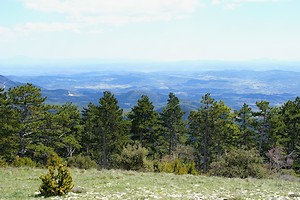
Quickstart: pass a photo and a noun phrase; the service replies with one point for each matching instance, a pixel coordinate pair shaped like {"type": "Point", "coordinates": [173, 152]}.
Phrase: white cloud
{"type": "Point", "coordinates": [88, 15]}
{"type": "Point", "coordinates": [116, 11]}
{"type": "Point", "coordinates": [215, 2]}
{"type": "Point", "coordinates": [47, 27]}
{"type": "Point", "coordinates": [4, 31]}
{"type": "Point", "coordinates": [232, 4]}
{"type": "Point", "coordinates": [20, 30]}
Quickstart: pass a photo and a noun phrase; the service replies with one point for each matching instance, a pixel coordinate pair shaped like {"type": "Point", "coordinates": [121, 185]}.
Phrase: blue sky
{"type": "Point", "coordinates": [150, 30]}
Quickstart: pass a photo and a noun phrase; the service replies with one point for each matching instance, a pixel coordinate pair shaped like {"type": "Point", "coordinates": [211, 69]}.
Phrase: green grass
{"type": "Point", "coordinates": [23, 183]}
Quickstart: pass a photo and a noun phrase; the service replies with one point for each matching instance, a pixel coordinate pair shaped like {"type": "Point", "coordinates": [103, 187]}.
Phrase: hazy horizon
{"type": "Point", "coordinates": [87, 66]}
{"type": "Point", "coordinates": [50, 32]}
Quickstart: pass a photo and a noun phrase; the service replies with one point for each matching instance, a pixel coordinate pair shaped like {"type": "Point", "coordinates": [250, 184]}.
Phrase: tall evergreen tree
{"type": "Point", "coordinates": [9, 140]}
{"type": "Point", "coordinates": [277, 136]}
{"type": "Point", "coordinates": [212, 130]}
{"type": "Point", "coordinates": [89, 136]}
{"type": "Point", "coordinates": [144, 122]}
{"type": "Point", "coordinates": [68, 129]}
{"type": "Point", "coordinates": [200, 128]}
{"type": "Point", "coordinates": [245, 121]}
{"type": "Point", "coordinates": [262, 125]}
{"type": "Point", "coordinates": [30, 109]}
{"type": "Point", "coordinates": [290, 113]}
{"type": "Point", "coordinates": [113, 130]}
{"type": "Point", "coordinates": [173, 124]}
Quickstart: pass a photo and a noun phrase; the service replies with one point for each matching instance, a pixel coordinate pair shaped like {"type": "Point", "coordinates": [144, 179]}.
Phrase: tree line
{"type": "Point", "coordinates": [31, 128]}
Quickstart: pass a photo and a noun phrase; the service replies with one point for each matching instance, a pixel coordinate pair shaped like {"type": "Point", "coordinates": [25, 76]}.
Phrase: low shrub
{"type": "Point", "coordinates": [54, 160]}
{"type": "Point", "coordinates": [23, 162]}
{"type": "Point", "coordinates": [192, 168]}
{"type": "Point", "coordinates": [133, 157]}
{"type": "Point", "coordinates": [3, 163]}
{"type": "Point", "coordinates": [57, 182]}
{"type": "Point", "coordinates": [81, 162]}
{"type": "Point", "coordinates": [238, 163]}
{"type": "Point", "coordinates": [176, 166]}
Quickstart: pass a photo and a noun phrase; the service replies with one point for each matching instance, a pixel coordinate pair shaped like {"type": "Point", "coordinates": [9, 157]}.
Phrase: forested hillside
{"type": "Point", "coordinates": [30, 128]}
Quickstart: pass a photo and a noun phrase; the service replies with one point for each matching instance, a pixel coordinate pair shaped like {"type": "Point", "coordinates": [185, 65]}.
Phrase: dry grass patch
{"type": "Point", "coordinates": [23, 183]}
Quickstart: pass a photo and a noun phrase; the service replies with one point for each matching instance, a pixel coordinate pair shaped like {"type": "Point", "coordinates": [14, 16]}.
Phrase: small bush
{"type": "Point", "coordinates": [57, 182]}
{"type": "Point", "coordinates": [238, 163]}
{"type": "Point", "coordinates": [133, 157]}
{"type": "Point", "coordinates": [3, 163]}
{"type": "Point", "coordinates": [23, 162]}
{"type": "Point", "coordinates": [81, 162]}
{"type": "Point", "coordinates": [176, 166]}
{"type": "Point", "coordinates": [192, 168]}
{"type": "Point", "coordinates": [279, 160]}
{"type": "Point", "coordinates": [54, 160]}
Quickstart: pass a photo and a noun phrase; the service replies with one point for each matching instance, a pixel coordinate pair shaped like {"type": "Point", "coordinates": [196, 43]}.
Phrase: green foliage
{"type": "Point", "coordinates": [3, 163]}
{"type": "Point", "coordinates": [57, 182]}
{"type": "Point", "coordinates": [212, 130]}
{"type": "Point", "coordinates": [238, 163]}
{"type": "Point", "coordinates": [133, 157]}
{"type": "Point", "coordinates": [54, 160]}
{"type": "Point", "coordinates": [144, 124]}
{"type": "Point", "coordinates": [30, 112]}
{"type": "Point", "coordinates": [23, 162]}
{"type": "Point", "coordinates": [113, 130]}
{"type": "Point", "coordinates": [173, 124]}
{"type": "Point", "coordinates": [42, 154]}
{"type": "Point", "coordinates": [245, 121]}
{"type": "Point", "coordinates": [192, 168]}
{"type": "Point", "coordinates": [169, 165]}
{"type": "Point", "coordinates": [81, 162]}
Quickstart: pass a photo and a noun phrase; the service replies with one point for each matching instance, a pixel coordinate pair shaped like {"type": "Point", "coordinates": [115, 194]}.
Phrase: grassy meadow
{"type": "Point", "coordinates": [23, 183]}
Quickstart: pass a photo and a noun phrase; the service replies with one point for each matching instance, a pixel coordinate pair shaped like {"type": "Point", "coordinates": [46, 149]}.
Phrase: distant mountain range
{"type": "Point", "coordinates": [234, 87]}
{"type": "Point", "coordinates": [7, 83]}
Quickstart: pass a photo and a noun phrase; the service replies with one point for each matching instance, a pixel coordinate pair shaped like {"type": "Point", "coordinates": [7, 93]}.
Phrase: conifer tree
{"type": "Point", "coordinates": [290, 113]}
{"type": "Point", "coordinates": [8, 141]}
{"type": "Point", "coordinates": [144, 123]}
{"type": "Point", "coordinates": [262, 124]}
{"type": "Point", "coordinates": [113, 130]}
{"type": "Point", "coordinates": [89, 136]}
{"type": "Point", "coordinates": [212, 130]}
{"type": "Point", "coordinates": [200, 127]}
{"type": "Point", "coordinates": [31, 111]}
{"type": "Point", "coordinates": [67, 129]}
{"type": "Point", "coordinates": [173, 124]}
{"type": "Point", "coordinates": [245, 121]}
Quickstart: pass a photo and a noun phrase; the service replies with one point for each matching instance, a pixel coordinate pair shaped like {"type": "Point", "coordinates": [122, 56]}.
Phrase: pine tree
{"type": "Point", "coordinates": [290, 113]}
{"type": "Point", "coordinates": [67, 130]}
{"type": "Point", "coordinates": [212, 130]}
{"type": "Point", "coordinates": [31, 111]}
{"type": "Point", "coordinates": [8, 141]}
{"type": "Point", "coordinates": [113, 130]}
{"type": "Point", "coordinates": [90, 135]}
{"type": "Point", "coordinates": [262, 125]}
{"type": "Point", "coordinates": [200, 129]}
{"type": "Point", "coordinates": [245, 121]}
{"type": "Point", "coordinates": [173, 124]}
{"type": "Point", "coordinates": [144, 122]}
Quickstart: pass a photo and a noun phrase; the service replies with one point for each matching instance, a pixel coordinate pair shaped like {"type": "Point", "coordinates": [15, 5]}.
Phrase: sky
{"type": "Point", "coordinates": [149, 30]}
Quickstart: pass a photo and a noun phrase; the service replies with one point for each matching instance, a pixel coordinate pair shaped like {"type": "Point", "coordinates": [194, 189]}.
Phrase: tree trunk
{"type": "Point", "coordinates": [104, 156]}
